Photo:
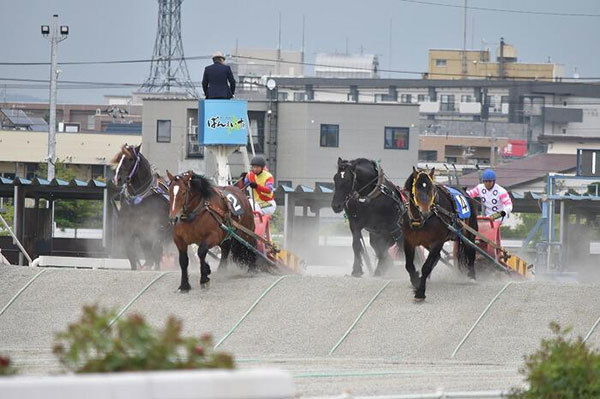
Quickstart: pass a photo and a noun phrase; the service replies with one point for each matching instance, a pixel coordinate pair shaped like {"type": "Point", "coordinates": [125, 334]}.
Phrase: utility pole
{"type": "Point", "coordinates": [464, 52]}
{"type": "Point", "coordinates": [55, 35]}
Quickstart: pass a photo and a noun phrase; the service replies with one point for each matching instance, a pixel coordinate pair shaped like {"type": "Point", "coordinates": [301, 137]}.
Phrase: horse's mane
{"type": "Point", "coordinates": [202, 186]}
{"type": "Point", "coordinates": [409, 182]}
{"type": "Point", "coordinates": [123, 151]}
{"type": "Point", "coordinates": [363, 161]}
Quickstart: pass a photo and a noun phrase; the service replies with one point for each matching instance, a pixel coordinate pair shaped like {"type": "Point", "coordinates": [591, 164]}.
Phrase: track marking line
{"type": "Point", "coordinates": [135, 298]}
{"type": "Point", "coordinates": [14, 298]}
{"type": "Point", "coordinates": [236, 325]}
{"type": "Point", "coordinates": [358, 318]}
{"type": "Point", "coordinates": [479, 319]}
{"type": "Point", "coordinates": [589, 334]}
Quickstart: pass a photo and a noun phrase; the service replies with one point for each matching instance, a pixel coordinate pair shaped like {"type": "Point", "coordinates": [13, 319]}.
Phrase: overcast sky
{"type": "Point", "coordinates": [125, 29]}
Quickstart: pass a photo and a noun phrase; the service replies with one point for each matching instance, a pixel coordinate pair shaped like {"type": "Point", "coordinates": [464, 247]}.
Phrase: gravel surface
{"type": "Point", "coordinates": [398, 346]}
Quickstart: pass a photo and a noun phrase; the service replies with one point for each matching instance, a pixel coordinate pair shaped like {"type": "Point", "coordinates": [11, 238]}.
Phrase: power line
{"type": "Point", "coordinates": [135, 61]}
{"type": "Point", "coordinates": [346, 67]}
{"type": "Point", "coordinates": [512, 11]}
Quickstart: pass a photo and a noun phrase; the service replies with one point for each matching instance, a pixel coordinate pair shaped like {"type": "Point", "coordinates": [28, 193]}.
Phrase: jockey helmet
{"type": "Point", "coordinates": [488, 174]}
{"type": "Point", "coordinates": [258, 161]}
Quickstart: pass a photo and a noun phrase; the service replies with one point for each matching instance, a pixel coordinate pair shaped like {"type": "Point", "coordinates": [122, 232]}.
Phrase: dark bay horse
{"type": "Point", "coordinates": [431, 207]}
{"type": "Point", "coordinates": [198, 209]}
{"type": "Point", "coordinates": [144, 208]}
{"type": "Point", "coordinates": [371, 202]}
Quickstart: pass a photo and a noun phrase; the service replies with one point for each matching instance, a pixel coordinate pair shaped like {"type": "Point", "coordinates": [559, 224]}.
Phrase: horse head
{"type": "Point", "coordinates": [344, 181]}
{"type": "Point", "coordinates": [422, 190]}
{"type": "Point", "coordinates": [125, 163]}
{"type": "Point", "coordinates": [185, 189]}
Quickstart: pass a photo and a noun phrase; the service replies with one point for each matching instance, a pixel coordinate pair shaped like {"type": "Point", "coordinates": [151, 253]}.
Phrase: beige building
{"type": "Point", "coordinates": [21, 152]}
{"type": "Point", "coordinates": [461, 149]}
{"type": "Point", "coordinates": [448, 64]}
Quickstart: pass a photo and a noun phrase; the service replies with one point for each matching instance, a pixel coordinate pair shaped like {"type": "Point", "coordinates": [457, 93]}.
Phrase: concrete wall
{"type": "Point", "coordinates": [302, 160]}
{"type": "Point", "coordinates": [588, 127]}
{"type": "Point", "coordinates": [172, 155]}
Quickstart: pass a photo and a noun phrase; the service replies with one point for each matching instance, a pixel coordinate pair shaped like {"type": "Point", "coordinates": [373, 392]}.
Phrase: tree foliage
{"type": "Point", "coordinates": [95, 344]}
{"type": "Point", "coordinates": [563, 368]}
{"type": "Point", "coordinates": [73, 213]}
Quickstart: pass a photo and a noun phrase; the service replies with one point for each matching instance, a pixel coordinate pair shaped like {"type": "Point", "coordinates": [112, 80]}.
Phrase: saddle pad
{"type": "Point", "coordinates": [235, 206]}
{"type": "Point", "coordinates": [463, 210]}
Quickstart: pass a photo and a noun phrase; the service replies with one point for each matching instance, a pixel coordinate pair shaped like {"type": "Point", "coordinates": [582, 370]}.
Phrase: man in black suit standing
{"type": "Point", "coordinates": [216, 78]}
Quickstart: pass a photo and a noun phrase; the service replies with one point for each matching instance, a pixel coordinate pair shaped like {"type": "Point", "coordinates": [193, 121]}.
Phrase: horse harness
{"type": "Point", "coordinates": [381, 188]}
{"type": "Point", "coordinates": [227, 220]}
{"type": "Point", "coordinates": [446, 217]}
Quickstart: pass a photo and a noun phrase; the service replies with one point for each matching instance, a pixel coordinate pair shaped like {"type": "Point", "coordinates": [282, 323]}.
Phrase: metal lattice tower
{"type": "Point", "coordinates": [168, 70]}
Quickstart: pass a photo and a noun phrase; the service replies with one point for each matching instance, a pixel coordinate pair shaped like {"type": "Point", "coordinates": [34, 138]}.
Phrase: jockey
{"type": "Point", "coordinates": [261, 181]}
{"type": "Point", "coordinates": [494, 198]}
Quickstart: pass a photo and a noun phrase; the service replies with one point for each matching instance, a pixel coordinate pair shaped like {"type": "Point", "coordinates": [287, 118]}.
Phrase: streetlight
{"type": "Point", "coordinates": [55, 35]}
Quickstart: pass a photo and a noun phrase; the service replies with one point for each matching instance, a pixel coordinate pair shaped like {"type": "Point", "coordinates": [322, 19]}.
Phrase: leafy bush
{"type": "Point", "coordinates": [563, 368]}
{"type": "Point", "coordinates": [93, 345]}
{"type": "Point", "coordinates": [6, 366]}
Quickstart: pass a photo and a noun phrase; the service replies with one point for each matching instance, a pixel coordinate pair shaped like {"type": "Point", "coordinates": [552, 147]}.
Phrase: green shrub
{"type": "Point", "coordinates": [563, 368]}
{"type": "Point", "coordinates": [93, 345]}
{"type": "Point", "coordinates": [6, 366]}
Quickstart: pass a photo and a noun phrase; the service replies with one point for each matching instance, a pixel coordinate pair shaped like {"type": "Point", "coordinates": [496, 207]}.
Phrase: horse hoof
{"type": "Point", "coordinates": [419, 300]}
{"type": "Point", "coordinates": [357, 274]}
{"type": "Point", "coordinates": [183, 290]}
{"type": "Point", "coordinates": [205, 286]}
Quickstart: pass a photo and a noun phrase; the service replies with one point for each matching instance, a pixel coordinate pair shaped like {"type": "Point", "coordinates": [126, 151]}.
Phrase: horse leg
{"type": "Point", "coordinates": [380, 245]}
{"type": "Point", "coordinates": [130, 252]}
{"type": "Point", "coordinates": [225, 249]}
{"type": "Point", "coordinates": [184, 261]}
{"type": "Point", "coordinates": [432, 259]}
{"type": "Point", "coordinates": [409, 256]}
{"type": "Point", "coordinates": [157, 252]}
{"type": "Point", "coordinates": [148, 252]}
{"type": "Point", "coordinates": [204, 266]}
{"type": "Point", "coordinates": [357, 248]}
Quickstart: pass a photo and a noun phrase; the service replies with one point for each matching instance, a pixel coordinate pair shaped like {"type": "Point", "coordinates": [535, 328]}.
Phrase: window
{"type": "Point", "coordinates": [396, 138]}
{"type": "Point", "coordinates": [423, 98]}
{"type": "Point", "coordinates": [440, 62]}
{"type": "Point", "coordinates": [428, 155]}
{"type": "Point", "coordinates": [504, 99]}
{"type": "Point", "coordinates": [447, 102]}
{"type": "Point", "coordinates": [451, 159]}
{"type": "Point", "coordinates": [491, 100]}
{"type": "Point", "coordinates": [330, 135]}
{"type": "Point", "coordinates": [31, 170]}
{"type": "Point", "coordinates": [299, 96]}
{"type": "Point", "coordinates": [466, 98]}
{"type": "Point", "coordinates": [97, 171]}
{"type": "Point", "coordinates": [282, 96]}
{"type": "Point", "coordinates": [10, 176]}
{"type": "Point", "coordinates": [163, 131]}
{"type": "Point", "coordinates": [406, 98]}
{"type": "Point", "coordinates": [257, 127]}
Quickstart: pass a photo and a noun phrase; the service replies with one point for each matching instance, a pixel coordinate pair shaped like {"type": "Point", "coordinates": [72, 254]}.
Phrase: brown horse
{"type": "Point", "coordinates": [430, 209]}
{"type": "Point", "coordinates": [200, 211]}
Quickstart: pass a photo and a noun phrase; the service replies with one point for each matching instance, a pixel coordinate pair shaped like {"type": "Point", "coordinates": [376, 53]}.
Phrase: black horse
{"type": "Point", "coordinates": [431, 208]}
{"type": "Point", "coordinates": [143, 207]}
{"type": "Point", "coordinates": [371, 202]}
